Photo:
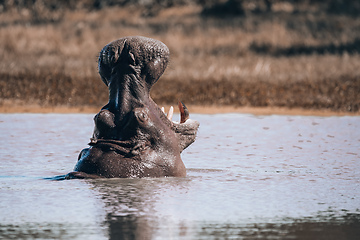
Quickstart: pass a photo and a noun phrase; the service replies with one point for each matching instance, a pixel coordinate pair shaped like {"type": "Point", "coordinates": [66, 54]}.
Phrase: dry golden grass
{"type": "Point", "coordinates": [238, 61]}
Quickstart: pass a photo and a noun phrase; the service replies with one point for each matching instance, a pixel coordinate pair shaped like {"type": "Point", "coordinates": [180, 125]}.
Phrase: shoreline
{"type": "Point", "coordinates": [210, 109]}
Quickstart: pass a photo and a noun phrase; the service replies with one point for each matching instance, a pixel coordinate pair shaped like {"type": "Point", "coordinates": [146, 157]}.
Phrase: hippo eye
{"type": "Point", "coordinates": [143, 117]}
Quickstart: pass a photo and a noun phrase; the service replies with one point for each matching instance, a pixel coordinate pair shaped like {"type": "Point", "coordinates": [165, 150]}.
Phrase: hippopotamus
{"type": "Point", "coordinates": [133, 137]}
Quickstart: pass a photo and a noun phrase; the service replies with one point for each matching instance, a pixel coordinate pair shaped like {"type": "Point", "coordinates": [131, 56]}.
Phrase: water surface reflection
{"type": "Point", "coordinates": [135, 209]}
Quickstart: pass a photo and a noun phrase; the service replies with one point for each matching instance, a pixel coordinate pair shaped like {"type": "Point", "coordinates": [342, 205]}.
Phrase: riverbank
{"type": "Point", "coordinates": [209, 109]}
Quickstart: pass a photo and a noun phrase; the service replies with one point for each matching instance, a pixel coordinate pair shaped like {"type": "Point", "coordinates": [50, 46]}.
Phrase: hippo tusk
{"type": "Point", "coordinates": [184, 112]}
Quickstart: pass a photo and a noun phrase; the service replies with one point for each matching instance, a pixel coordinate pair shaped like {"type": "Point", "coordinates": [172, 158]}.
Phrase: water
{"type": "Point", "coordinates": [249, 177]}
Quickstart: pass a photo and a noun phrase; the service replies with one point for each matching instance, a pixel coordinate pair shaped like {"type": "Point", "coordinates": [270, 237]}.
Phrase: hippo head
{"type": "Point", "coordinates": [133, 137]}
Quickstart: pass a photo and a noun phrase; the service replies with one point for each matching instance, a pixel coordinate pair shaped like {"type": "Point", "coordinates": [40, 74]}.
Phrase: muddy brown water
{"type": "Point", "coordinates": [249, 177]}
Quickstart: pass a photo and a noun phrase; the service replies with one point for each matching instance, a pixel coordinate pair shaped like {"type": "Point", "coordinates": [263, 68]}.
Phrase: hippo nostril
{"type": "Point", "coordinates": [131, 58]}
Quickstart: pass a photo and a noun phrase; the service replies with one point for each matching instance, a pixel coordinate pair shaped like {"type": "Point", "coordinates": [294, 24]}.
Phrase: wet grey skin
{"type": "Point", "coordinates": [133, 137]}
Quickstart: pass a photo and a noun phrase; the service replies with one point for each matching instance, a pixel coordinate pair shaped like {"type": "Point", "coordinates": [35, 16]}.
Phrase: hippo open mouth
{"type": "Point", "coordinates": [133, 137]}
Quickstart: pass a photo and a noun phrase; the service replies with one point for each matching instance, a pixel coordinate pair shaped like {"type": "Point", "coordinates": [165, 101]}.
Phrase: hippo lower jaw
{"type": "Point", "coordinates": [152, 148]}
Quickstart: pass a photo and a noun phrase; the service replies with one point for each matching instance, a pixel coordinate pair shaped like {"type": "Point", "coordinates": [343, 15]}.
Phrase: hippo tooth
{"type": "Point", "coordinates": [171, 112]}
{"type": "Point", "coordinates": [163, 109]}
{"type": "Point", "coordinates": [184, 112]}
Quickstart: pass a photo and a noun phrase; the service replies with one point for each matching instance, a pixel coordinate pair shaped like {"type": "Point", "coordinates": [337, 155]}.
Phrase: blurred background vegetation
{"type": "Point", "coordinates": [295, 54]}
